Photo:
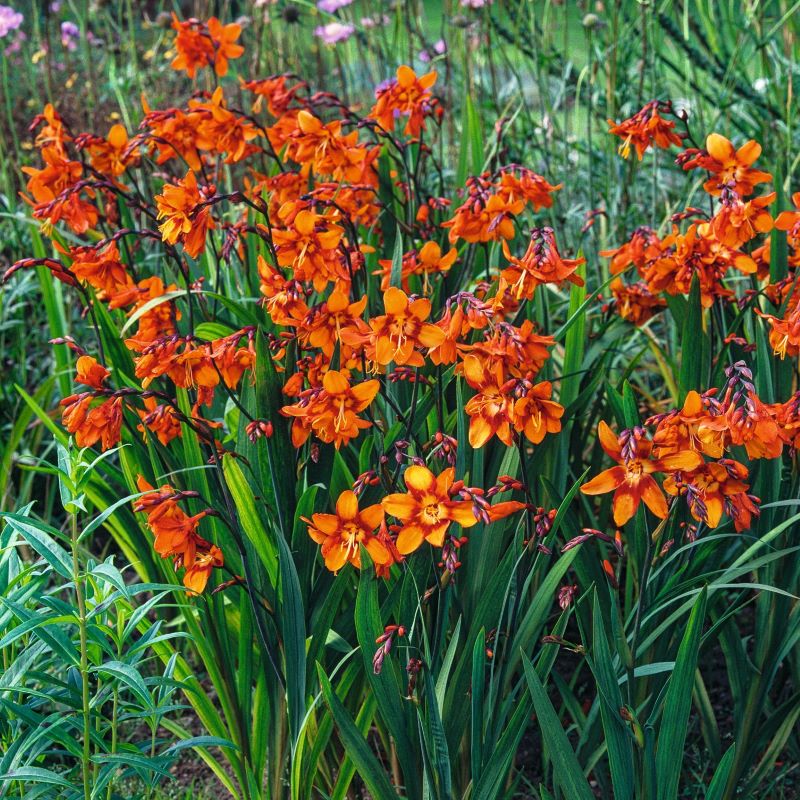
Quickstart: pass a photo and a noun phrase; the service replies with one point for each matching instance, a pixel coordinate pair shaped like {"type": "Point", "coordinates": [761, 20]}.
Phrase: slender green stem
{"type": "Point", "coordinates": [84, 660]}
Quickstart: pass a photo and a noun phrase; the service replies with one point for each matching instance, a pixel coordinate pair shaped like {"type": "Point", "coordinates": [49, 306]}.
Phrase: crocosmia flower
{"type": "Point", "coordinates": [632, 479]}
{"type": "Point", "coordinates": [427, 509]}
{"type": "Point", "coordinates": [342, 534]}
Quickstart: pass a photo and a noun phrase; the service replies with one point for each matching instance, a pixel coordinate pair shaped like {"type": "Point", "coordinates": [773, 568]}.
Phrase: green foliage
{"type": "Point", "coordinates": [679, 676]}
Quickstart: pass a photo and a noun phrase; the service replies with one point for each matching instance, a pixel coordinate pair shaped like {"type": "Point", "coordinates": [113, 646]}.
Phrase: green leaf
{"type": "Point", "coordinates": [694, 345]}
{"type": "Point", "coordinates": [199, 741]}
{"type": "Point", "coordinates": [478, 678]}
{"type": "Point", "coordinates": [37, 775]}
{"type": "Point", "coordinates": [677, 705]}
{"type": "Point", "coordinates": [366, 764]}
{"type": "Point", "coordinates": [126, 674]}
{"type": "Point", "coordinates": [435, 741]}
{"type": "Point", "coordinates": [447, 663]}
{"type": "Point", "coordinates": [470, 152]}
{"type": "Point", "coordinates": [40, 537]}
{"type": "Point", "coordinates": [618, 740]}
{"type": "Point", "coordinates": [397, 261]}
{"type": "Point", "coordinates": [566, 768]}
{"type": "Point", "coordinates": [719, 781]}
{"type": "Point", "coordinates": [385, 685]}
{"type": "Point", "coordinates": [574, 343]}
{"type": "Point", "coordinates": [263, 541]}
{"type": "Point", "coordinates": [293, 629]}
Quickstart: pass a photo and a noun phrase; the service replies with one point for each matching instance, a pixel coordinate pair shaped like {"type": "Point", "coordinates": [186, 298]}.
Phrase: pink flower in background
{"type": "Point", "coordinates": [475, 3]}
{"type": "Point", "coordinates": [16, 44]}
{"type": "Point", "coordinates": [332, 6]}
{"type": "Point", "coordinates": [10, 20]}
{"type": "Point", "coordinates": [439, 49]}
{"type": "Point", "coordinates": [334, 32]}
{"type": "Point", "coordinates": [373, 22]}
{"type": "Point", "coordinates": [69, 35]}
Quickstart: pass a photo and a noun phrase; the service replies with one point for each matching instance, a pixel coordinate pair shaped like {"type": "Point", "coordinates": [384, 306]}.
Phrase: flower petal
{"type": "Point", "coordinates": [409, 539]}
{"type": "Point", "coordinates": [372, 516]}
{"type": "Point", "coordinates": [402, 506]}
{"type": "Point", "coordinates": [461, 512]}
{"type": "Point", "coordinates": [347, 506]}
{"type": "Point", "coordinates": [419, 478]}
{"type": "Point", "coordinates": [653, 496]}
{"type": "Point", "coordinates": [625, 505]}
{"type": "Point", "coordinates": [606, 481]}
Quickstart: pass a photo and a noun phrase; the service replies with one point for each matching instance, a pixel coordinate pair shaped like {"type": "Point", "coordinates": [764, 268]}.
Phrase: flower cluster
{"type": "Point", "coordinates": [695, 447]}
{"type": "Point", "coordinates": [370, 351]}
{"type": "Point", "coordinates": [175, 533]}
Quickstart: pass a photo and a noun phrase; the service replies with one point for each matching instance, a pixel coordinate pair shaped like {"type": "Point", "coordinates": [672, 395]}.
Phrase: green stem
{"type": "Point", "coordinates": [84, 662]}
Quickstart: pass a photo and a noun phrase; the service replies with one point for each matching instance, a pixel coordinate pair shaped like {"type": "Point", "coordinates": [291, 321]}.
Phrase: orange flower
{"type": "Point", "coordinates": [193, 46]}
{"type": "Point", "coordinates": [730, 167]}
{"type": "Point", "coordinates": [738, 222]}
{"type": "Point", "coordinates": [427, 509]}
{"type": "Point", "coordinates": [541, 263]}
{"type": "Point", "coordinates": [698, 253]}
{"type": "Point", "coordinates": [789, 221]}
{"type": "Point", "coordinates": [101, 268]}
{"type": "Point", "coordinates": [342, 534]}
{"type": "Point", "coordinates": [200, 45]}
{"type": "Point", "coordinates": [175, 534]}
{"type": "Point", "coordinates": [632, 480]}
{"type": "Point", "coordinates": [284, 299]}
{"type": "Point", "coordinates": [53, 133]}
{"type": "Point", "coordinates": [174, 134]}
{"type": "Point", "coordinates": [752, 425]}
{"type": "Point", "coordinates": [426, 261]}
{"type": "Point", "coordinates": [787, 417]}
{"type": "Point", "coordinates": [309, 245]}
{"type": "Point", "coordinates": [331, 411]}
{"type": "Point", "coordinates": [520, 351]}
{"type": "Point", "coordinates": [172, 528]}
{"type": "Point", "coordinates": [635, 302]}
{"type": "Point", "coordinates": [491, 409]}
{"type": "Point", "coordinates": [486, 215]}
{"type": "Point", "coordinates": [221, 130]}
{"type": "Point", "coordinates": [90, 373]}
{"type": "Point", "coordinates": [176, 206]}
{"type": "Point", "coordinates": [323, 325]}
{"type": "Point", "coordinates": [645, 129]}
{"type": "Point", "coordinates": [533, 188]}
{"type": "Point", "coordinates": [285, 187]}
{"type": "Point", "coordinates": [56, 191]}
{"type": "Point", "coordinates": [196, 576]}
{"type": "Point", "coordinates": [784, 334]}
{"type": "Point", "coordinates": [713, 489]}
{"type": "Point", "coordinates": [642, 249]}
{"type": "Point", "coordinates": [274, 91]}
{"type": "Point", "coordinates": [453, 325]}
{"type": "Point", "coordinates": [323, 149]}
{"type": "Point", "coordinates": [91, 424]}
{"type": "Point", "coordinates": [231, 360]}
{"type": "Point", "coordinates": [357, 204]}
{"type": "Point", "coordinates": [112, 156]}
{"type": "Point", "coordinates": [190, 367]}
{"type": "Point", "coordinates": [159, 321]}
{"type": "Point", "coordinates": [534, 413]}
{"type": "Point", "coordinates": [691, 427]}
{"type": "Point", "coordinates": [395, 336]}
{"type": "Point", "coordinates": [160, 420]}
{"type": "Point", "coordinates": [405, 96]}
{"type": "Point", "coordinates": [224, 38]}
